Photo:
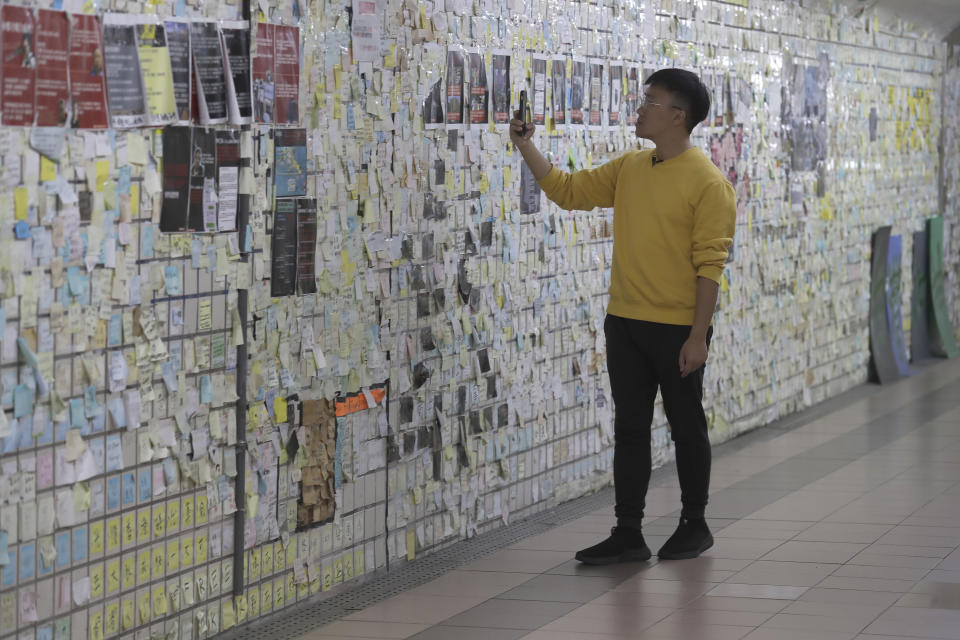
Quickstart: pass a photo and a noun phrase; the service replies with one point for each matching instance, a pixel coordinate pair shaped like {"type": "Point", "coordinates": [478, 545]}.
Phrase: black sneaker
{"type": "Point", "coordinates": [623, 545]}
{"type": "Point", "coordinates": [691, 538]}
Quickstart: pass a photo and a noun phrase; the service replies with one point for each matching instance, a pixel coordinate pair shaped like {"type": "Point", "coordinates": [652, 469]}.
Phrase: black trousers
{"type": "Point", "coordinates": [642, 357]}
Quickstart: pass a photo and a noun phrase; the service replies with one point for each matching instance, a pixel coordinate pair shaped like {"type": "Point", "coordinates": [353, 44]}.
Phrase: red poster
{"type": "Point", "coordinates": [263, 78]}
{"type": "Point", "coordinates": [87, 88]}
{"type": "Point", "coordinates": [19, 65]}
{"type": "Point", "coordinates": [53, 92]}
{"type": "Point", "coordinates": [287, 73]}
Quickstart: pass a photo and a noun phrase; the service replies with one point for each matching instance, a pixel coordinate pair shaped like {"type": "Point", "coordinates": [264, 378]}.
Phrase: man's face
{"type": "Point", "coordinates": [657, 112]}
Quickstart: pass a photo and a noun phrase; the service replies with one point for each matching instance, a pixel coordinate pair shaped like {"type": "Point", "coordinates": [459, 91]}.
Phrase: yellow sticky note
{"type": "Point", "coordinates": [129, 529]}
{"type": "Point", "coordinates": [228, 618]}
{"type": "Point", "coordinates": [96, 581]}
{"type": "Point", "coordinates": [103, 173]}
{"type": "Point", "coordinates": [113, 534]}
{"type": "Point", "coordinates": [411, 545]}
{"type": "Point", "coordinates": [173, 516]}
{"type": "Point", "coordinates": [201, 548]}
{"type": "Point", "coordinates": [186, 516]}
{"type": "Point", "coordinates": [126, 614]}
{"type": "Point", "coordinates": [112, 623]}
{"type": "Point", "coordinates": [96, 625]}
{"type": "Point", "coordinates": [143, 525]}
{"type": "Point", "coordinates": [143, 608]}
{"type": "Point", "coordinates": [129, 572]}
{"type": "Point", "coordinates": [186, 551]}
{"type": "Point", "coordinates": [113, 575]}
{"type": "Point", "coordinates": [96, 537]}
{"type": "Point", "coordinates": [20, 200]}
{"type": "Point", "coordinates": [159, 521]}
{"type": "Point", "coordinates": [201, 509]}
{"type": "Point", "coordinates": [173, 556]}
{"type": "Point", "coordinates": [159, 600]}
{"type": "Point", "coordinates": [279, 410]}
{"type": "Point", "coordinates": [157, 558]}
{"type": "Point", "coordinates": [48, 170]}
{"type": "Point", "coordinates": [143, 566]}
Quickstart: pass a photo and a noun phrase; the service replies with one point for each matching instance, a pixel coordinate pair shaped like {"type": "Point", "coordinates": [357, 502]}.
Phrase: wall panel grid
{"type": "Point", "coordinates": [158, 401]}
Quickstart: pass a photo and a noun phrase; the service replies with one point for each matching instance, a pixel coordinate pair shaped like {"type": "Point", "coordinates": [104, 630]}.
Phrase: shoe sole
{"type": "Point", "coordinates": [686, 555]}
{"type": "Point", "coordinates": [630, 556]}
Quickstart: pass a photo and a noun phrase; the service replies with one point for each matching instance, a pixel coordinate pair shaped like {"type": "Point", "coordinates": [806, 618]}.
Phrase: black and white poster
{"type": "Point", "coordinates": [176, 179]}
{"type": "Point", "coordinates": [209, 70]}
{"type": "Point", "coordinates": [529, 190]}
{"type": "Point", "coordinates": [454, 87]}
{"type": "Point", "coordinates": [236, 49]}
{"type": "Point", "coordinates": [631, 101]}
{"type": "Point", "coordinates": [306, 245]}
{"type": "Point", "coordinates": [178, 43]}
{"type": "Point", "coordinates": [283, 248]}
{"type": "Point", "coordinates": [125, 95]}
{"type": "Point", "coordinates": [578, 78]}
{"type": "Point", "coordinates": [539, 105]}
{"type": "Point", "coordinates": [203, 180]}
{"type": "Point", "coordinates": [615, 106]}
{"type": "Point", "coordinates": [431, 66]}
{"type": "Point", "coordinates": [501, 87]}
{"type": "Point", "coordinates": [228, 178]}
{"type": "Point", "coordinates": [596, 95]}
{"type": "Point", "coordinates": [558, 89]}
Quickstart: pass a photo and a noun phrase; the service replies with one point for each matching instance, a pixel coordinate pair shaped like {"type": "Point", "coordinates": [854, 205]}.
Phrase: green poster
{"type": "Point", "coordinates": [942, 340]}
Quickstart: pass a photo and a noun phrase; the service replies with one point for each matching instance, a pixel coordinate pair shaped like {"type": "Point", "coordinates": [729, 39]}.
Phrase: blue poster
{"type": "Point", "coordinates": [291, 162]}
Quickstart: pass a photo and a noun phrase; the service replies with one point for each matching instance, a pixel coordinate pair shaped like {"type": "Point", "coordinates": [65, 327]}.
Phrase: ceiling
{"type": "Point", "coordinates": [938, 17]}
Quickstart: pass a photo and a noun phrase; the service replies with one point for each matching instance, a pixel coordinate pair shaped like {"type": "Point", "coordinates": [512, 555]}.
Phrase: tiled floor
{"type": "Point", "coordinates": [847, 527]}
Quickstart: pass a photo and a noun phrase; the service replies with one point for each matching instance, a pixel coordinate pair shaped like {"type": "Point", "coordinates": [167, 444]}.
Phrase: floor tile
{"type": "Point", "coordinates": [472, 583]}
{"type": "Point", "coordinates": [731, 603]}
{"type": "Point", "coordinates": [837, 532]}
{"type": "Point", "coordinates": [825, 552]}
{"type": "Point", "coordinates": [931, 623]}
{"type": "Point", "coordinates": [767, 633]}
{"type": "Point", "coordinates": [518, 560]}
{"type": "Point", "coordinates": [850, 596]}
{"type": "Point", "coordinates": [446, 632]}
{"type": "Point", "coordinates": [511, 614]}
{"type": "Point", "coordinates": [768, 591]}
{"type": "Point", "coordinates": [559, 588]}
{"type": "Point", "coordinates": [416, 609]}
{"type": "Point", "coordinates": [608, 619]}
{"type": "Point", "coordinates": [796, 574]}
{"type": "Point", "coordinates": [365, 629]}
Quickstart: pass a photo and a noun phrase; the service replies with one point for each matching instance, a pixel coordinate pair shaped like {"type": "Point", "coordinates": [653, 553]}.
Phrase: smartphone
{"type": "Point", "coordinates": [524, 110]}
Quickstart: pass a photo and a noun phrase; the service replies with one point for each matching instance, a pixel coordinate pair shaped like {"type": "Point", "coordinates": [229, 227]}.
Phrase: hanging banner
{"type": "Point", "coordinates": [178, 44]}
{"type": "Point", "coordinates": [883, 367]}
{"type": "Point", "coordinates": [894, 308]}
{"type": "Point", "coordinates": [919, 298]}
{"type": "Point", "coordinates": [53, 87]}
{"type": "Point", "coordinates": [287, 73]}
{"type": "Point", "coordinates": [306, 245]}
{"type": "Point", "coordinates": [88, 93]}
{"type": "Point", "coordinates": [942, 341]}
{"type": "Point", "coordinates": [578, 78]}
{"type": "Point", "coordinates": [615, 106]}
{"type": "Point", "coordinates": [558, 90]}
{"type": "Point", "coordinates": [595, 121]}
{"type": "Point", "coordinates": [19, 68]}
{"type": "Point", "coordinates": [432, 87]}
{"type": "Point", "coordinates": [263, 83]}
{"type": "Point", "coordinates": [501, 87]}
{"type": "Point", "coordinates": [176, 178]}
{"type": "Point", "coordinates": [203, 176]}
{"type": "Point", "coordinates": [479, 106]}
{"type": "Point", "coordinates": [128, 107]}
{"type": "Point", "coordinates": [539, 116]}
{"type": "Point", "coordinates": [283, 248]}
{"type": "Point", "coordinates": [454, 90]}
{"type": "Point", "coordinates": [631, 101]}
{"type": "Point", "coordinates": [208, 67]}
{"type": "Point", "coordinates": [236, 49]}
{"type": "Point", "coordinates": [157, 73]}
{"type": "Point", "coordinates": [365, 30]}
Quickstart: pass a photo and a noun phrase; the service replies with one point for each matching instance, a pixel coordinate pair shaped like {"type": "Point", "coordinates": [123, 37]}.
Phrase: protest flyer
{"type": "Point", "coordinates": [157, 73]}
{"type": "Point", "coordinates": [287, 74]}
{"type": "Point", "coordinates": [53, 87]}
{"type": "Point", "coordinates": [202, 214]}
{"type": "Point", "coordinates": [306, 245]}
{"type": "Point", "coordinates": [479, 106]}
{"type": "Point", "coordinates": [209, 71]}
{"type": "Point", "coordinates": [283, 248]}
{"type": "Point", "coordinates": [128, 107]}
{"type": "Point", "coordinates": [290, 148]}
{"type": "Point", "coordinates": [176, 178]}
{"type": "Point", "coordinates": [236, 49]}
{"type": "Point", "coordinates": [558, 89]}
{"type": "Point", "coordinates": [501, 87]}
{"type": "Point", "coordinates": [178, 44]}
{"type": "Point", "coordinates": [454, 91]}
{"type": "Point", "coordinates": [264, 87]}
{"type": "Point", "coordinates": [88, 92]}
{"type": "Point", "coordinates": [19, 68]}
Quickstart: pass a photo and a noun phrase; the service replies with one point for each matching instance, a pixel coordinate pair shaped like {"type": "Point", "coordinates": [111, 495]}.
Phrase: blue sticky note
{"type": "Point", "coordinates": [145, 485]}
{"type": "Point", "coordinates": [171, 277]}
{"type": "Point", "coordinates": [91, 407]}
{"type": "Point", "coordinates": [123, 180]}
{"type": "Point", "coordinates": [196, 252]}
{"type": "Point", "coordinates": [62, 427]}
{"type": "Point", "coordinates": [45, 436]}
{"type": "Point", "coordinates": [118, 411]}
{"type": "Point", "coordinates": [115, 330]}
{"type": "Point", "coordinates": [146, 241]}
{"type": "Point", "coordinates": [4, 556]}
{"type": "Point", "coordinates": [113, 492]}
{"type": "Point", "coordinates": [22, 401]}
{"type": "Point", "coordinates": [206, 389]}
{"type": "Point", "coordinates": [80, 544]}
{"type": "Point", "coordinates": [28, 560]}
{"type": "Point", "coordinates": [8, 575]}
{"type": "Point", "coordinates": [46, 632]}
{"type": "Point", "coordinates": [62, 542]}
{"type": "Point", "coordinates": [98, 423]}
{"type": "Point", "coordinates": [129, 489]}
{"type": "Point", "coordinates": [22, 230]}
{"type": "Point", "coordinates": [77, 419]}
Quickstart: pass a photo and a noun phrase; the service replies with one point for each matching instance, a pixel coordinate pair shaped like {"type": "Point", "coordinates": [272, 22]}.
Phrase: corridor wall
{"type": "Point", "coordinates": [168, 416]}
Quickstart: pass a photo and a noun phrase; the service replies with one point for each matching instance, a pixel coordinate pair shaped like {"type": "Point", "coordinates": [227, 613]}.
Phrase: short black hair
{"type": "Point", "coordinates": [692, 96]}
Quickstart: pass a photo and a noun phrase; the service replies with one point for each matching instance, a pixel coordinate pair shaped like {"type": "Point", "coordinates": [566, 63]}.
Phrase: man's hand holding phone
{"type": "Point", "coordinates": [521, 129]}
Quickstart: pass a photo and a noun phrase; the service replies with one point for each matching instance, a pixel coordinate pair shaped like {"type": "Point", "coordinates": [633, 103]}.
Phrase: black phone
{"type": "Point", "coordinates": [524, 110]}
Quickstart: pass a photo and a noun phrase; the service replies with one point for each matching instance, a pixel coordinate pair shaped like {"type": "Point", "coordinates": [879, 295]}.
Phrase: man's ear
{"type": "Point", "coordinates": [680, 117]}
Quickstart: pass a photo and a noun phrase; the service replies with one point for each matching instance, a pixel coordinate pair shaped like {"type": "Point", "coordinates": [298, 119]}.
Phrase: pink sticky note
{"type": "Point", "coordinates": [45, 469]}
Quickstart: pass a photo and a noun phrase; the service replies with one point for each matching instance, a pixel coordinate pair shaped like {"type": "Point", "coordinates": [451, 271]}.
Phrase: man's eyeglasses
{"type": "Point", "coordinates": [646, 104]}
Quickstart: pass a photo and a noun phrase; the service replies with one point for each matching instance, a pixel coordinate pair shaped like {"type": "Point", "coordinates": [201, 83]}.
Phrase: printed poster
{"type": "Point", "coordinates": [128, 107]}
{"type": "Point", "coordinates": [53, 88]}
{"type": "Point", "coordinates": [19, 66]}
{"type": "Point", "coordinates": [632, 99]}
{"type": "Point", "coordinates": [501, 87]}
{"type": "Point", "coordinates": [283, 248]}
{"type": "Point", "coordinates": [202, 214]}
{"type": "Point", "coordinates": [228, 178]}
{"type": "Point", "coordinates": [596, 94]}
{"type": "Point", "coordinates": [306, 245]}
{"type": "Point", "coordinates": [539, 105]}
{"type": "Point", "coordinates": [431, 78]}
{"type": "Point", "coordinates": [88, 90]}
{"type": "Point", "coordinates": [157, 73]}
{"type": "Point", "coordinates": [209, 70]}
{"type": "Point", "coordinates": [454, 90]}
{"type": "Point", "coordinates": [479, 106]}
{"type": "Point", "coordinates": [286, 44]}
{"type": "Point", "coordinates": [558, 89]}
{"type": "Point", "coordinates": [263, 82]}
{"type": "Point", "coordinates": [615, 107]}
{"type": "Point", "coordinates": [178, 44]}
{"type": "Point", "coordinates": [236, 47]}
{"type": "Point", "coordinates": [365, 30]}
{"type": "Point", "coordinates": [290, 147]}
{"type": "Point", "coordinates": [578, 77]}
{"type": "Point", "coordinates": [176, 179]}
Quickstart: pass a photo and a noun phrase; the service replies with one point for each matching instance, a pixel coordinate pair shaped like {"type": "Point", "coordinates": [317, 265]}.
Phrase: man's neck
{"type": "Point", "coordinates": [671, 148]}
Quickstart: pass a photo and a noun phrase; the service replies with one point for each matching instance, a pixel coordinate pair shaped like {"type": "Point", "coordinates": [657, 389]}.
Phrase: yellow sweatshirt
{"type": "Point", "coordinates": [672, 222]}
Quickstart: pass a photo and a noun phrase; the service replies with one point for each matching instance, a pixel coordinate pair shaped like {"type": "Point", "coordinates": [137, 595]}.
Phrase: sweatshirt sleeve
{"type": "Point", "coordinates": [714, 222]}
{"type": "Point", "coordinates": [583, 190]}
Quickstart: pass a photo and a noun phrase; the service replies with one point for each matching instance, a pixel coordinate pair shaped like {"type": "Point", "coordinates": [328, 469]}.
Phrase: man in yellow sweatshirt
{"type": "Point", "coordinates": [674, 215]}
